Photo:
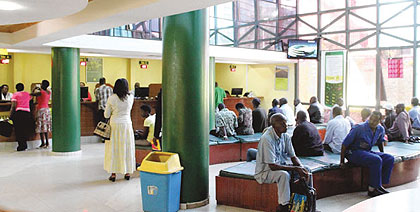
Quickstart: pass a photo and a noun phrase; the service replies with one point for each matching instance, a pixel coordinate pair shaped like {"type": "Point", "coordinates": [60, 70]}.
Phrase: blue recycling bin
{"type": "Point", "coordinates": [160, 178]}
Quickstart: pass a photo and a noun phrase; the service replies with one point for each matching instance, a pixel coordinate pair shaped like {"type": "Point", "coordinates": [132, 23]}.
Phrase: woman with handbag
{"type": "Point", "coordinates": [43, 115]}
{"type": "Point", "coordinates": [120, 148]}
{"type": "Point", "coordinates": [20, 114]}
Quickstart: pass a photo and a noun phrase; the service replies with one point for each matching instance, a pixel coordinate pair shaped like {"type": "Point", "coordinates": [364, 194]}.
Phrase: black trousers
{"type": "Point", "coordinates": [100, 116]}
{"type": "Point", "coordinates": [24, 128]}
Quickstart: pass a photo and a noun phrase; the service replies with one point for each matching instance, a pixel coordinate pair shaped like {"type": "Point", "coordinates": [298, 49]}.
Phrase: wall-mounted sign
{"type": "Point", "coordinates": [143, 64]}
{"type": "Point", "coordinates": [83, 61]}
{"type": "Point", "coordinates": [281, 82]}
{"type": "Point", "coordinates": [395, 67]}
{"type": "Point", "coordinates": [334, 77]}
{"type": "Point", "coordinates": [94, 69]}
{"type": "Point", "coordinates": [5, 59]}
{"type": "Point", "coordinates": [232, 68]}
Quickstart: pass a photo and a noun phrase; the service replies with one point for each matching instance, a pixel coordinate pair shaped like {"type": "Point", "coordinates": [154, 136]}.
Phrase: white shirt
{"type": "Point", "coordinates": [119, 111]}
{"type": "Point", "coordinates": [300, 107]}
{"type": "Point", "coordinates": [332, 108]}
{"type": "Point", "coordinates": [337, 130]}
{"type": "Point", "coordinates": [8, 97]}
{"type": "Point", "coordinates": [286, 110]}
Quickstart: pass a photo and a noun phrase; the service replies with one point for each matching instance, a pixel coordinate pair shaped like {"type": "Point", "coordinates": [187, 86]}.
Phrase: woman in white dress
{"type": "Point", "coordinates": [120, 149]}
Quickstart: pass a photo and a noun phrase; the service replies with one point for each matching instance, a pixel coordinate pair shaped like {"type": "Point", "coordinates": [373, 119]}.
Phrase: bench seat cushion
{"type": "Point", "coordinates": [249, 138]}
{"type": "Point", "coordinates": [402, 150]}
{"type": "Point", "coordinates": [230, 140]}
{"type": "Point", "coordinates": [246, 170]}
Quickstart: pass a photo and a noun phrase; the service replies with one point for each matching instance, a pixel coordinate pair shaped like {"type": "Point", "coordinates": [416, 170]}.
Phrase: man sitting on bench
{"type": "Point", "coordinates": [357, 149]}
{"type": "Point", "coordinates": [274, 150]}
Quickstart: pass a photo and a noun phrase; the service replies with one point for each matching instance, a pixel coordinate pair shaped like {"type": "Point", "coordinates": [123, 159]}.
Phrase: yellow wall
{"type": "Point", "coordinates": [260, 81]}
{"type": "Point", "coordinates": [31, 68]}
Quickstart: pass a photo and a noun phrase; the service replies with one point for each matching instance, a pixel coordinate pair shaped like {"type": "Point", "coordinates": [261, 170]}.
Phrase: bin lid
{"type": "Point", "coordinates": [161, 163]}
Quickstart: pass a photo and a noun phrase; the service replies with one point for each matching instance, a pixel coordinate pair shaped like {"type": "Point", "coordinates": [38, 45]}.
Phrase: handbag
{"type": "Point", "coordinates": [6, 129]}
{"type": "Point", "coordinates": [303, 198]}
{"type": "Point", "coordinates": [103, 130]}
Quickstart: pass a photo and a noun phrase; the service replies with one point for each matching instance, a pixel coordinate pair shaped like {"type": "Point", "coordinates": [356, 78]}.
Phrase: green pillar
{"type": "Point", "coordinates": [212, 80]}
{"type": "Point", "coordinates": [65, 99]}
{"type": "Point", "coordinates": [186, 101]}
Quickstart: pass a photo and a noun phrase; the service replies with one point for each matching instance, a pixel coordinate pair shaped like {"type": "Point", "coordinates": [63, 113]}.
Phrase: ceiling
{"type": "Point", "coordinates": [96, 16]}
{"type": "Point", "coordinates": [27, 11]}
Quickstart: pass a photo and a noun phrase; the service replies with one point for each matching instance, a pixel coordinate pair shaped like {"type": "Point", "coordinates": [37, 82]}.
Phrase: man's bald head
{"type": "Point", "coordinates": [277, 118]}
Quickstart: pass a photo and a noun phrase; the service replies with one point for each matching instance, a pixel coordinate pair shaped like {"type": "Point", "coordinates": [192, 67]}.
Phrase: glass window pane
{"type": "Point", "coordinates": [327, 18]}
{"type": "Point", "coordinates": [385, 1]}
{"type": "Point", "coordinates": [224, 11]}
{"type": "Point", "coordinates": [311, 20]}
{"type": "Point", "coordinates": [307, 6]}
{"type": "Point", "coordinates": [387, 41]}
{"type": "Point", "coordinates": [289, 3]}
{"type": "Point", "coordinates": [405, 33]}
{"type": "Point", "coordinates": [308, 78]}
{"type": "Point", "coordinates": [248, 35]}
{"type": "Point", "coordinates": [338, 38]}
{"type": "Point", "coordinates": [246, 11]}
{"type": "Point", "coordinates": [398, 90]}
{"type": "Point", "coordinates": [361, 80]}
{"type": "Point", "coordinates": [265, 28]}
{"type": "Point", "coordinates": [248, 45]}
{"type": "Point", "coordinates": [220, 23]}
{"type": "Point", "coordinates": [357, 23]}
{"type": "Point", "coordinates": [267, 10]}
{"type": "Point", "coordinates": [353, 3]}
{"type": "Point", "coordinates": [387, 11]}
{"type": "Point", "coordinates": [368, 43]}
{"type": "Point", "coordinates": [284, 23]}
{"type": "Point", "coordinates": [331, 5]}
{"type": "Point", "coordinates": [286, 10]}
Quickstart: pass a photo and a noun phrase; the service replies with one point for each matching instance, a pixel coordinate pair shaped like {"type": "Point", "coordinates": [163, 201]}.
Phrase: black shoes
{"type": "Point", "coordinates": [112, 178]}
{"type": "Point", "coordinates": [375, 192]}
{"type": "Point", "coordinates": [382, 189]}
{"type": "Point", "coordinates": [127, 177]}
{"type": "Point", "coordinates": [283, 208]}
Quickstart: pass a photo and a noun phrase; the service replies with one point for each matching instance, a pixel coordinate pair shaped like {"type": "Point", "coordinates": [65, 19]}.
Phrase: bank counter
{"type": "Point", "coordinates": [88, 117]}
{"type": "Point", "coordinates": [230, 102]}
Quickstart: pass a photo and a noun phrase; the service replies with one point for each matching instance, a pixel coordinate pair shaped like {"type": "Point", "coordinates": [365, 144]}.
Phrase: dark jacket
{"type": "Point", "coordinates": [314, 114]}
{"type": "Point", "coordinates": [259, 119]}
{"type": "Point", "coordinates": [306, 140]}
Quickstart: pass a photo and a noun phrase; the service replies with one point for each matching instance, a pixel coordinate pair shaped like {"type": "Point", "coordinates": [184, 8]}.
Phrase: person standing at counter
{"type": "Point", "coordinates": [157, 131]}
{"type": "Point", "coordinates": [219, 95]}
{"type": "Point", "coordinates": [43, 115]}
{"type": "Point", "coordinates": [120, 149]}
{"type": "Point", "coordinates": [21, 116]}
{"type": "Point", "coordinates": [102, 93]}
{"type": "Point", "coordinates": [4, 93]}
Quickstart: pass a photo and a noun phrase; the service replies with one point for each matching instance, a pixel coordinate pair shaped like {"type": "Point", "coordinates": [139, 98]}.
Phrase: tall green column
{"type": "Point", "coordinates": [186, 101]}
{"type": "Point", "coordinates": [212, 80]}
{"type": "Point", "coordinates": [65, 99]}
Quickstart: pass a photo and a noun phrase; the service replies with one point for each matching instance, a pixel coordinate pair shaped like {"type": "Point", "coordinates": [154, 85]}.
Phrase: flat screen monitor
{"type": "Point", "coordinates": [303, 49]}
{"type": "Point", "coordinates": [141, 92]}
{"type": "Point", "coordinates": [236, 91]}
{"type": "Point", "coordinates": [84, 92]}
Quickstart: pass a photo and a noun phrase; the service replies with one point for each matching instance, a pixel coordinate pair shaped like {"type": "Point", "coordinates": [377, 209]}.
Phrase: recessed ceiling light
{"type": "Point", "coordinates": [7, 5]}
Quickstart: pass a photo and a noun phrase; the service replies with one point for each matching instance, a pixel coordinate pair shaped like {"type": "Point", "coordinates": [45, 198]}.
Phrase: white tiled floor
{"type": "Point", "coordinates": [35, 180]}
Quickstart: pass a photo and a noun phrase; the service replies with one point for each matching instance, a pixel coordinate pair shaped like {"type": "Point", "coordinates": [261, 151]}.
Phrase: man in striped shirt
{"type": "Point", "coordinates": [102, 93]}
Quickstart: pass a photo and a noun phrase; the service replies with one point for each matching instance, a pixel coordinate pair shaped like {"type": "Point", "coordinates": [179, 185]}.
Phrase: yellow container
{"type": "Point", "coordinates": [161, 163]}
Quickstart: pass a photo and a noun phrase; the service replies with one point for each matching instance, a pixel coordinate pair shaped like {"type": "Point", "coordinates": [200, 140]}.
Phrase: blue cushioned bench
{"type": "Point", "coordinates": [328, 178]}
{"type": "Point", "coordinates": [223, 151]}
{"type": "Point", "coordinates": [248, 141]}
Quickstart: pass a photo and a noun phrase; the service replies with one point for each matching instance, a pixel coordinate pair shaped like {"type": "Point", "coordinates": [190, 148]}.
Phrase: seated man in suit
{"type": "Point", "coordinates": [306, 140]}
